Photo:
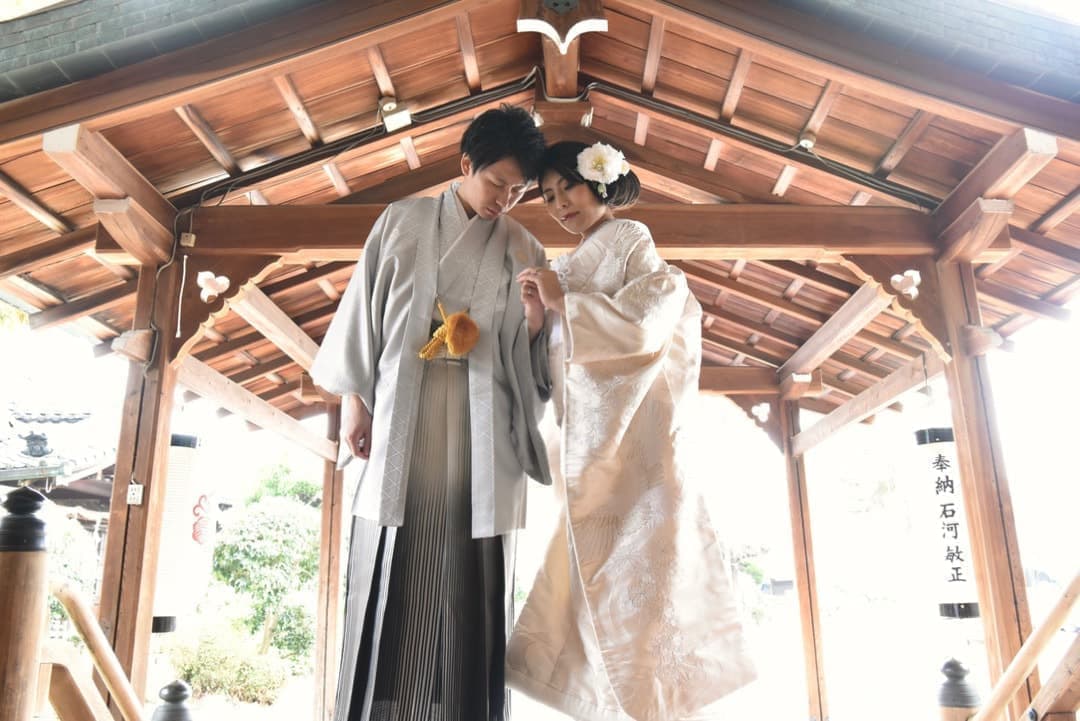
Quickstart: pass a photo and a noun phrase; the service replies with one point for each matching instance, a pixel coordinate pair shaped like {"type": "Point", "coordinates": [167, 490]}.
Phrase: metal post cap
{"type": "Point", "coordinates": [174, 709]}
{"type": "Point", "coordinates": [20, 529]}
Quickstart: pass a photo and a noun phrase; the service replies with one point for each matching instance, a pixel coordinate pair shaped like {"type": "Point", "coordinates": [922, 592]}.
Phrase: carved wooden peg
{"type": "Point", "coordinates": [562, 21]}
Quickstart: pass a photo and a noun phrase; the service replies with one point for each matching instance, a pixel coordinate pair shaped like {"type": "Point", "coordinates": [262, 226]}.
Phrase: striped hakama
{"type": "Point", "coordinates": [426, 605]}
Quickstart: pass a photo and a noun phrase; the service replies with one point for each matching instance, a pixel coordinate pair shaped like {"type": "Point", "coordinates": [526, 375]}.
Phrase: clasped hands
{"type": "Point", "coordinates": [540, 290]}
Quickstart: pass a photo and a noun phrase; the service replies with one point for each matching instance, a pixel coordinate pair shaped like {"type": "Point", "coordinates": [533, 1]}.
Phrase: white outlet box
{"type": "Point", "coordinates": [134, 494]}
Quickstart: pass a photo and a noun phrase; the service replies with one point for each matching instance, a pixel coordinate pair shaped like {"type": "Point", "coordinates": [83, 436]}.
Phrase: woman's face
{"type": "Point", "coordinates": [572, 204]}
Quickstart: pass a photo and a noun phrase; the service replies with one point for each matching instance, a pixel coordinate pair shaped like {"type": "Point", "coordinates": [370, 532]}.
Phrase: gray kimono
{"type": "Point", "coordinates": [421, 249]}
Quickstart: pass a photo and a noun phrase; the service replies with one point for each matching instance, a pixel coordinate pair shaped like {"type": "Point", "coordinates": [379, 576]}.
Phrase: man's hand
{"type": "Point", "coordinates": [546, 283]}
{"type": "Point", "coordinates": [534, 308]}
{"type": "Point", "coordinates": [356, 426]}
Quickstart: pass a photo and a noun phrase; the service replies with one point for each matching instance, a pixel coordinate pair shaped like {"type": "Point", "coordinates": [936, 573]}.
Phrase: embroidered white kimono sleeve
{"type": "Point", "coordinates": [632, 615]}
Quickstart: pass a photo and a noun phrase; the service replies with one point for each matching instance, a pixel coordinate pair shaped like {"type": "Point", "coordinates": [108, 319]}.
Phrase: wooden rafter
{"type": "Point", "coordinates": [20, 197]}
{"type": "Point", "coordinates": [975, 230]}
{"type": "Point", "coordinates": [380, 72]}
{"type": "Point", "coordinates": [834, 333]}
{"type": "Point", "coordinates": [256, 197]}
{"type": "Point", "coordinates": [336, 178]}
{"type": "Point", "coordinates": [71, 245]}
{"type": "Point", "coordinates": [430, 176]}
{"type": "Point", "coordinates": [207, 382]}
{"type": "Point", "coordinates": [681, 231]}
{"type": "Point", "coordinates": [209, 139]}
{"type": "Point", "coordinates": [908, 137]}
{"type": "Point", "coordinates": [1046, 250]}
{"type": "Point", "coordinates": [86, 305]}
{"type": "Point", "coordinates": [652, 55]}
{"type": "Point", "coordinates": [913, 374]}
{"type": "Point", "coordinates": [1058, 214]}
{"type": "Point", "coordinates": [265, 316]}
{"type": "Point", "coordinates": [783, 180]}
{"type": "Point", "coordinates": [712, 156]}
{"type": "Point", "coordinates": [143, 224]}
{"type": "Point", "coordinates": [296, 106]}
{"type": "Point", "coordinates": [828, 96]}
{"type": "Point", "coordinates": [735, 85]}
{"type": "Point", "coordinates": [468, 52]}
{"type": "Point", "coordinates": [1020, 303]}
{"type": "Point", "coordinates": [412, 158]}
{"type": "Point", "coordinates": [1007, 168]}
{"type": "Point", "coordinates": [737, 381]}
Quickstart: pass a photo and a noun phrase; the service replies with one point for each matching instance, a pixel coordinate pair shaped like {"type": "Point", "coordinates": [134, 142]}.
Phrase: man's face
{"type": "Point", "coordinates": [492, 190]}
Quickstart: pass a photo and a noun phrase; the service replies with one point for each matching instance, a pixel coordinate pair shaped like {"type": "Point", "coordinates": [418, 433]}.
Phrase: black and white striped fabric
{"type": "Point", "coordinates": [426, 604]}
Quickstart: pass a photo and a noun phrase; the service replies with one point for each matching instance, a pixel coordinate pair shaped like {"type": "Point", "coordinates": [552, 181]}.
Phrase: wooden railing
{"type": "Point", "coordinates": [28, 664]}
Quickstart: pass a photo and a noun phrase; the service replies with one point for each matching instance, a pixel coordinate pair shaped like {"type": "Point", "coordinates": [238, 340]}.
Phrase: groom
{"type": "Point", "coordinates": [447, 441]}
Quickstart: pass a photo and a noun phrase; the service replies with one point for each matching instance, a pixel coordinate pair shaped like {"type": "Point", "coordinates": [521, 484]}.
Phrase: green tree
{"type": "Point", "coordinates": [279, 481]}
{"type": "Point", "coordinates": [267, 553]}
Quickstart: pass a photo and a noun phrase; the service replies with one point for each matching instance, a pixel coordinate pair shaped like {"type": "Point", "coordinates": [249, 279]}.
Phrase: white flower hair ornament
{"type": "Point", "coordinates": [602, 164]}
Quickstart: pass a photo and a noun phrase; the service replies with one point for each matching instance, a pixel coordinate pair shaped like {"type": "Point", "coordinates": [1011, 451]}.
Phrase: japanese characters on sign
{"type": "Point", "coordinates": [939, 478]}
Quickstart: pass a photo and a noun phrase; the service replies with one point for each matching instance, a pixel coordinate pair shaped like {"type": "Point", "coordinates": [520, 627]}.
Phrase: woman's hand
{"type": "Point", "coordinates": [356, 426]}
{"type": "Point", "coordinates": [534, 308]}
{"type": "Point", "coordinates": [547, 285]}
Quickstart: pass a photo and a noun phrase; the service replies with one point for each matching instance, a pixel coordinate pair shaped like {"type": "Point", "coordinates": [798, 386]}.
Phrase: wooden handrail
{"type": "Point", "coordinates": [72, 694]}
{"type": "Point", "coordinates": [105, 661]}
{"type": "Point", "coordinates": [1024, 662]}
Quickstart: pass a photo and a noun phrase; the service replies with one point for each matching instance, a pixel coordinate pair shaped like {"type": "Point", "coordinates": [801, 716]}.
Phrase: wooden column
{"type": "Point", "coordinates": [995, 553]}
{"type": "Point", "coordinates": [327, 630]}
{"type": "Point", "coordinates": [23, 603]}
{"type": "Point", "coordinates": [131, 550]}
{"type": "Point", "coordinates": [805, 576]}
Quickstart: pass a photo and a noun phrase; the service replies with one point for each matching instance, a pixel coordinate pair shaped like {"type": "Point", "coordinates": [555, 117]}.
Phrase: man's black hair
{"type": "Point", "coordinates": [505, 132]}
{"type": "Point", "coordinates": [562, 158]}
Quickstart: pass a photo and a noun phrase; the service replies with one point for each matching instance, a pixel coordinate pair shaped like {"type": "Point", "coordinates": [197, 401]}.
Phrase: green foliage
{"type": "Point", "coordinates": [294, 635]}
{"type": "Point", "coordinates": [219, 664]}
{"type": "Point", "coordinates": [268, 552]}
{"type": "Point", "coordinates": [280, 482]}
{"type": "Point", "coordinates": [751, 569]}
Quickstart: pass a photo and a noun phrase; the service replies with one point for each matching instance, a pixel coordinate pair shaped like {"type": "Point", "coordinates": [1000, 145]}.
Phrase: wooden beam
{"type": "Point", "coordinates": [412, 158]}
{"type": "Point", "coordinates": [861, 197]}
{"type": "Point", "coordinates": [380, 73]}
{"type": "Point", "coordinates": [805, 568]}
{"type": "Point", "coordinates": [66, 247]}
{"type": "Point", "coordinates": [821, 109]}
{"type": "Point", "coordinates": [975, 230]}
{"type": "Point", "coordinates": [987, 498]}
{"type": "Point", "coordinates": [209, 139]}
{"type": "Point", "coordinates": [652, 55]}
{"type": "Point", "coordinates": [641, 129]}
{"type": "Point", "coordinates": [911, 375]}
{"type": "Point", "coordinates": [561, 69]}
{"type": "Point", "coordinates": [265, 316]}
{"type": "Point", "coordinates": [83, 306]}
{"type": "Point", "coordinates": [296, 106]}
{"type": "Point", "coordinates": [89, 158]}
{"type": "Point", "coordinates": [908, 137]}
{"type": "Point", "coordinates": [783, 180]}
{"type": "Point", "coordinates": [433, 175]}
{"type": "Point", "coordinates": [731, 381]}
{"type": "Point", "coordinates": [1020, 303]}
{"type": "Point", "coordinates": [712, 156]}
{"type": "Point", "coordinates": [846, 323]}
{"type": "Point", "coordinates": [709, 232]}
{"type": "Point", "coordinates": [131, 547]}
{"type": "Point", "coordinates": [468, 52]}
{"type": "Point", "coordinates": [308, 39]}
{"type": "Point", "coordinates": [333, 527]}
{"type": "Point", "coordinates": [735, 84]}
{"type": "Point", "coordinates": [1002, 172]}
{"type": "Point", "coordinates": [1058, 214]}
{"type": "Point", "coordinates": [336, 179]}
{"type": "Point", "coordinates": [26, 201]}
{"type": "Point", "coordinates": [208, 383]}
{"type": "Point", "coordinates": [1044, 249]}
{"type": "Point", "coordinates": [794, 386]}
{"type": "Point", "coordinates": [137, 232]}
{"type": "Point", "coordinates": [861, 62]}
{"type": "Point", "coordinates": [256, 197]}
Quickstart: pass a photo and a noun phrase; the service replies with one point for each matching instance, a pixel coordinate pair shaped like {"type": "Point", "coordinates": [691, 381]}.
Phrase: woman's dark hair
{"type": "Point", "coordinates": [562, 158]}
{"type": "Point", "coordinates": [505, 132]}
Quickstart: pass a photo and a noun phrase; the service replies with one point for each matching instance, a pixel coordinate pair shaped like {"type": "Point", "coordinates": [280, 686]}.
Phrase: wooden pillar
{"type": "Point", "coordinates": [327, 630]}
{"type": "Point", "coordinates": [131, 549]}
{"type": "Point", "coordinates": [995, 552]}
{"type": "Point", "coordinates": [805, 576]}
{"type": "Point", "coordinates": [23, 603]}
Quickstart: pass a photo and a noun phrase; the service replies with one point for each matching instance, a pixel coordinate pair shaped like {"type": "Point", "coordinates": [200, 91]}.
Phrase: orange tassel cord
{"type": "Point", "coordinates": [458, 332]}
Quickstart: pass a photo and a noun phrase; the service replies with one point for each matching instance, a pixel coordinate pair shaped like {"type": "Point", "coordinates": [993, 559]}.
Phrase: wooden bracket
{"type": "Point", "coordinates": [980, 340]}
{"type": "Point", "coordinates": [562, 22]}
{"type": "Point", "coordinates": [134, 345]}
{"type": "Point", "coordinates": [796, 385]}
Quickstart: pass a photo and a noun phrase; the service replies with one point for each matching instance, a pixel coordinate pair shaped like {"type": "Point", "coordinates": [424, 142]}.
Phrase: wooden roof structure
{"type": "Point", "coordinates": [793, 171]}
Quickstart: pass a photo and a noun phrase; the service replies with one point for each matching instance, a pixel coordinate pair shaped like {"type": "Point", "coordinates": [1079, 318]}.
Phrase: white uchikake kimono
{"type": "Point", "coordinates": [420, 249]}
{"type": "Point", "coordinates": [632, 615]}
